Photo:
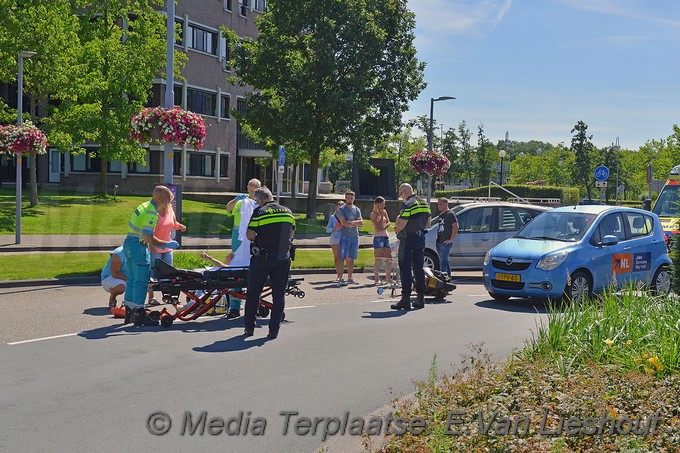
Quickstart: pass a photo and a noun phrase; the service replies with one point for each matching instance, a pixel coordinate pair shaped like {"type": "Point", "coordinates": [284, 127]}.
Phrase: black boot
{"type": "Point", "coordinates": [141, 318]}
{"type": "Point", "coordinates": [128, 315]}
{"type": "Point", "coordinates": [403, 304]}
{"type": "Point", "coordinates": [233, 313]}
{"type": "Point", "coordinates": [420, 301]}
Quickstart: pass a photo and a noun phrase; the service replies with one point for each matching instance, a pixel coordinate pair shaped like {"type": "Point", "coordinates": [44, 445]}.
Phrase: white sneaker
{"type": "Point", "coordinates": [342, 282]}
{"type": "Point", "coordinates": [351, 280]}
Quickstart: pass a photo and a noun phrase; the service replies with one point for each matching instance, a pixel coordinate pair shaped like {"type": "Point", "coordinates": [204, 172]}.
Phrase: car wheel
{"type": "Point", "coordinates": [431, 260]}
{"type": "Point", "coordinates": [499, 296]}
{"type": "Point", "coordinates": [580, 289]}
{"type": "Point", "coordinates": [661, 283]}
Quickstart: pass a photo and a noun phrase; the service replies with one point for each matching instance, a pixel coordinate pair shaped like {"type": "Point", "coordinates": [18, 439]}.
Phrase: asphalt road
{"type": "Point", "coordinates": [75, 380]}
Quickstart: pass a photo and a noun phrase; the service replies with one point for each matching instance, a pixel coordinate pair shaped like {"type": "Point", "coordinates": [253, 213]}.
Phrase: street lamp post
{"type": "Point", "coordinates": [539, 151]}
{"type": "Point", "coordinates": [616, 148]}
{"type": "Point", "coordinates": [429, 138]}
{"type": "Point", "coordinates": [501, 154]}
{"type": "Point", "coordinates": [20, 101]}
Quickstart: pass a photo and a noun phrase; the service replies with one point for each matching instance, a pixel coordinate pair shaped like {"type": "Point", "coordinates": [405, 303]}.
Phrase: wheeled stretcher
{"type": "Point", "coordinates": [204, 289]}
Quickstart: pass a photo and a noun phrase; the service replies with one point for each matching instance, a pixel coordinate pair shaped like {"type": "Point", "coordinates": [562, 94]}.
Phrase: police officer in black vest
{"type": "Point", "coordinates": [271, 230]}
{"type": "Point", "coordinates": [410, 227]}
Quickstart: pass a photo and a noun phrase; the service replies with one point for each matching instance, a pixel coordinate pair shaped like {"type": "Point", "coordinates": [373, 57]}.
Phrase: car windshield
{"type": "Point", "coordinates": [667, 203]}
{"type": "Point", "coordinates": [557, 226]}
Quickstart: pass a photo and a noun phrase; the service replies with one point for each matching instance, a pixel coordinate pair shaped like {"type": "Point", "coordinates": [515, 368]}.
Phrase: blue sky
{"type": "Point", "coordinates": [535, 68]}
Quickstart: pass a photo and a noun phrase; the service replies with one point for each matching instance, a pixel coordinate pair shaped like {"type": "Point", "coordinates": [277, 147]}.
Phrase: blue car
{"type": "Point", "coordinates": [576, 251]}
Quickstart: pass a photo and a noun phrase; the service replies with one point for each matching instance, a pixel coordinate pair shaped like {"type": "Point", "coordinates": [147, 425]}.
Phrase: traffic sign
{"type": "Point", "coordinates": [282, 156]}
{"type": "Point", "coordinates": [600, 183]}
{"type": "Point", "coordinates": [601, 173]}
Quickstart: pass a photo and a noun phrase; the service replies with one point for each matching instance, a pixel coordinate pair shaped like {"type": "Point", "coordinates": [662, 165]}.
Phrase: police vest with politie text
{"type": "Point", "coordinates": [273, 225]}
{"type": "Point", "coordinates": [416, 212]}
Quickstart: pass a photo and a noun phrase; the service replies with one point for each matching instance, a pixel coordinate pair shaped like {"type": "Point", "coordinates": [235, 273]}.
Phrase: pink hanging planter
{"type": "Point", "coordinates": [173, 124]}
{"type": "Point", "coordinates": [24, 139]}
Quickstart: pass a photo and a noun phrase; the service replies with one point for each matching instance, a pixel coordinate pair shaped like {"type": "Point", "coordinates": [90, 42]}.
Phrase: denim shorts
{"type": "Point", "coordinates": [381, 242]}
{"type": "Point", "coordinates": [349, 247]}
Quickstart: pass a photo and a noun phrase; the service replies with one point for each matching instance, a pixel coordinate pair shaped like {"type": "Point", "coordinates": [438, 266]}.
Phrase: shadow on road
{"type": "Point", "coordinates": [383, 314]}
{"type": "Point", "coordinates": [97, 311]}
{"type": "Point", "coordinates": [515, 305]}
{"type": "Point", "coordinates": [238, 343]}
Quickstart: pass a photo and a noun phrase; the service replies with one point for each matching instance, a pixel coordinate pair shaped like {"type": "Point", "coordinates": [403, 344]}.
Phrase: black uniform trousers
{"type": "Point", "coordinates": [277, 271]}
{"type": "Point", "coordinates": [411, 261]}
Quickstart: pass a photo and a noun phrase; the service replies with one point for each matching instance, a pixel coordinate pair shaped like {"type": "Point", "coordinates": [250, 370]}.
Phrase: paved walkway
{"type": "Point", "coordinates": [90, 242]}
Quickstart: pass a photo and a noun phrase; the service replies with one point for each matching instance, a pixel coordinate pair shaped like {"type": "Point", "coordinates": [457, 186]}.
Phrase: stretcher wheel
{"type": "Point", "coordinates": [155, 315]}
{"type": "Point", "coordinates": [262, 311]}
{"type": "Point", "coordinates": [166, 321]}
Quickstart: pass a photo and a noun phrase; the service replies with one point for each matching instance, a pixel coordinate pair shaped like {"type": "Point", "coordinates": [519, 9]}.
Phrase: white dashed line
{"type": "Point", "coordinates": [45, 338]}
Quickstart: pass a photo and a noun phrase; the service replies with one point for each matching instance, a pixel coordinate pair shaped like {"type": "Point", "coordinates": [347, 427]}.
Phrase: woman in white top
{"type": "Point", "coordinates": [333, 228]}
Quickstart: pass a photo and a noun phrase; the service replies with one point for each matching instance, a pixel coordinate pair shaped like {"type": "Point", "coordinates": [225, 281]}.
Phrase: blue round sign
{"type": "Point", "coordinates": [601, 173]}
{"type": "Point", "coordinates": [282, 156]}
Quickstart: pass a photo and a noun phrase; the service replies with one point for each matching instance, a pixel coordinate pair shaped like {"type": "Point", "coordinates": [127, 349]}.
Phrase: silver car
{"type": "Point", "coordinates": [481, 226]}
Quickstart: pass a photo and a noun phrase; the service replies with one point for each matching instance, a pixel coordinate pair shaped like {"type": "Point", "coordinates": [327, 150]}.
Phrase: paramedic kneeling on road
{"type": "Point", "coordinates": [137, 256]}
{"type": "Point", "coordinates": [271, 230]}
{"type": "Point", "coordinates": [410, 227]}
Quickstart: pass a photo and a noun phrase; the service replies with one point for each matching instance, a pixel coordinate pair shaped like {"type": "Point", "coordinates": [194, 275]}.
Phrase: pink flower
{"type": "Point", "coordinates": [175, 124]}
{"type": "Point", "coordinates": [22, 139]}
{"type": "Point", "coordinates": [433, 163]}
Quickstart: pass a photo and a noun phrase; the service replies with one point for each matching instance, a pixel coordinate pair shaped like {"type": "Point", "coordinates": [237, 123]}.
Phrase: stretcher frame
{"type": "Point", "coordinates": [213, 285]}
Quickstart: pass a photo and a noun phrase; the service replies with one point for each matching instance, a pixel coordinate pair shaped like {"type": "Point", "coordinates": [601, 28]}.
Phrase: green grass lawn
{"type": "Point", "coordinates": [70, 213]}
{"type": "Point", "coordinates": [76, 264]}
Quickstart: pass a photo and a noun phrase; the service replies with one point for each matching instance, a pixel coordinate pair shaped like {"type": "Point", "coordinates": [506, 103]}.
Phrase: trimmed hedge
{"type": "Point", "coordinates": [568, 195]}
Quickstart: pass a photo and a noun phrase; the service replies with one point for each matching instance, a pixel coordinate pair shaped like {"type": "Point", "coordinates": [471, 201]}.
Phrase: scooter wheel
{"type": "Point", "coordinates": [166, 321]}
{"type": "Point", "coordinates": [262, 311]}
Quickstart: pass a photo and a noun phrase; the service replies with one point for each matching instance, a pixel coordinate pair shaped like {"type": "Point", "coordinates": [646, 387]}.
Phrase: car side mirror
{"type": "Point", "coordinates": [610, 239]}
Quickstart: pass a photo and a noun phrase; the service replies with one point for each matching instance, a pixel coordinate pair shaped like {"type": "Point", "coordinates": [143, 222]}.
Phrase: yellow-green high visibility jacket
{"type": "Point", "coordinates": [144, 220]}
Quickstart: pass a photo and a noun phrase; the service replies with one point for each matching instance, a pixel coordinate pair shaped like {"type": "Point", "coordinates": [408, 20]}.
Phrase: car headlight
{"type": "Point", "coordinates": [487, 257]}
{"type": "Point", "coordinates": [552, 261]}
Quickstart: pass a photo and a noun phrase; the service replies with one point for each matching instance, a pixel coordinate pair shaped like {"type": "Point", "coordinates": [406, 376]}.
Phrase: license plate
{"type": "Point", "coordinates": [508, 277]}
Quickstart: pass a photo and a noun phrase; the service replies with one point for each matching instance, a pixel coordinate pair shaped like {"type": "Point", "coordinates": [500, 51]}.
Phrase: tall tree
{"type": "Point", "coordinates": [582, 148]}
{"type": "Point", "coordinates": [121, 50]}
{"type": "Point", "coordinates": [328, 74]}
{"type": "Point", "coordinates": [48, 28]}
{"type": "Point", "coordinates": [485, 156]}
{"type": "Point", "coordinates": [465, 152]}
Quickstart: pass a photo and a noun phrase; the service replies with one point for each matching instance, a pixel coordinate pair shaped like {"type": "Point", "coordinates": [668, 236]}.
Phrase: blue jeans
{"type": "Point", "coordinates": [443, 250]}
{"type": "Point", "coordinates": [411, 260]}
{"type": "Point", "coordinates": [137, 268]}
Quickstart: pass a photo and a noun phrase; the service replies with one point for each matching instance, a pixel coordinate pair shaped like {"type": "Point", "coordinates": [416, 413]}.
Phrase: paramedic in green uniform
{"type": "Point", "coordinates": [137, 258]}
{"type": "Point", "coordinates": [271, 230]}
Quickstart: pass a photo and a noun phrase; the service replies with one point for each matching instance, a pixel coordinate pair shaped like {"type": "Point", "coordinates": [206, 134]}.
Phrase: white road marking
{"type": "Point", "coordinates": [303, 306]}
{"type": "Point", "coordinates": [45, 338]}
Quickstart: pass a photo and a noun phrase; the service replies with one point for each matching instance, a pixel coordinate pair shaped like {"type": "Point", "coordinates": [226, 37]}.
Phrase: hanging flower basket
{"type": "Point", "coordinates": [433, 163]}
{"type": "Point", "coordinates": [174, 125]}
{"type": "Point", "coordinates": [22, 139]}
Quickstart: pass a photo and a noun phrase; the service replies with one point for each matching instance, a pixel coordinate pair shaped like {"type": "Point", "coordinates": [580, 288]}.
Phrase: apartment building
{"type": "Point", "coordinates": [226, 162]}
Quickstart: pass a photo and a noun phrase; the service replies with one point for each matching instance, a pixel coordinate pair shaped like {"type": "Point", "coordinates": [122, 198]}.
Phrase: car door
{"type": "Point", "coordinates": [613, 263]}
{"type": "Point", "coordinates": [474, 239]}
{"type": "Point", "coordinates": [641, 229]}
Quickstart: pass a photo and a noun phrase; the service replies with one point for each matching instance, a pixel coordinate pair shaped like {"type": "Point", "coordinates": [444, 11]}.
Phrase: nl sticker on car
{"type": "Point", "coordinates": [508, 277]}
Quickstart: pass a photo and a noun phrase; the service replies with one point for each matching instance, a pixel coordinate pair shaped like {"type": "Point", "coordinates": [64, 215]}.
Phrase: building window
{"type": "Point", "coordinates": [243, 141]}
{"type": "Point", "coordinates": [225, 52]}
{"type": "Point", "coordinates": [202, 40]}
{"type": "Point", "coordinates": [83, 162]}
{"type": "Point", "coordinates": [177, 92]}
{"type": "Point", "coordinates": [260, 5]}
{"type": "Point", "coordinates": [201, 102]}
{"type": "Point", "coordinates": [243, 7]}
{"type": "Point", "coordinates": [201, 164]}
{"type": "Point", "coordinates": [180, 39]}
{"type": "Point", "coordinates": [224, 107]}
{"type": "Point", "coordinates": [224, 166]}
{"type": "Point", "coordinates": [134, 167]}
{"type": "Point", "coordinates": [227, 5]}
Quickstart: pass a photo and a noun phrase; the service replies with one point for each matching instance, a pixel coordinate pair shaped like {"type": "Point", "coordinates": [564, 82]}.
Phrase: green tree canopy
{"type": "Point", "coordinates": [328, 74]}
